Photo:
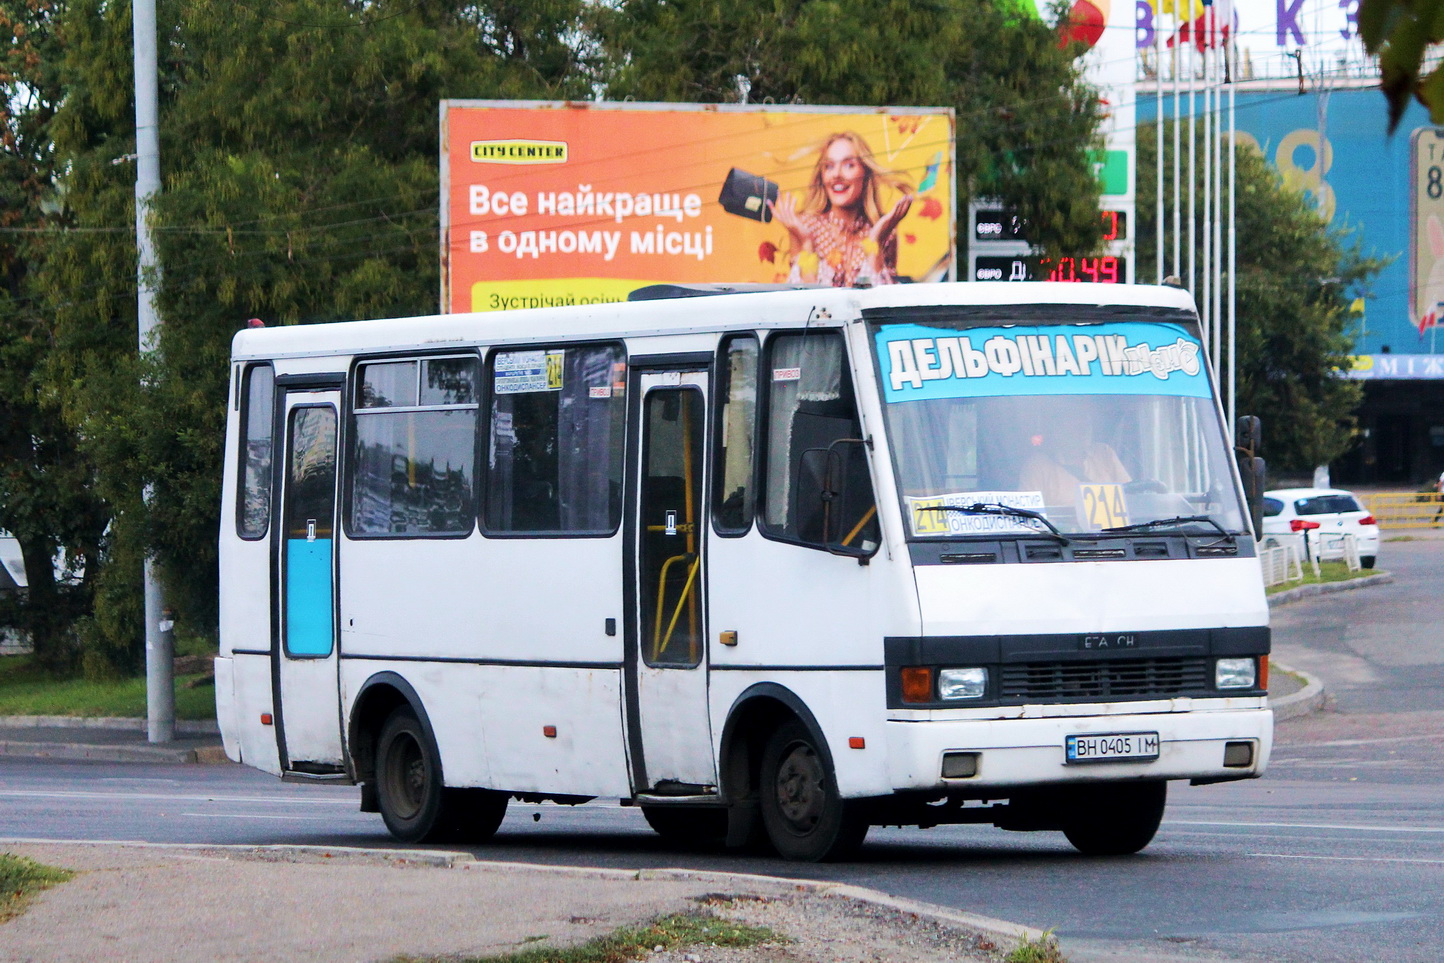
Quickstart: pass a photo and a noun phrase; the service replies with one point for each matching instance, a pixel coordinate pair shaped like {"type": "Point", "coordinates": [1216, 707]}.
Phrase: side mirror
{"type": "Point", "coordinates": [839, 487]}
{"type": "Point", "coordinates": [1249, 434]}
{"type": "Point", "coordinates": [1248, 439]}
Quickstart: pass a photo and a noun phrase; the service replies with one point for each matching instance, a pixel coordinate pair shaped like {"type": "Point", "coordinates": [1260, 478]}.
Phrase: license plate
{"type": "Point", "coordinates": [1107, 747]}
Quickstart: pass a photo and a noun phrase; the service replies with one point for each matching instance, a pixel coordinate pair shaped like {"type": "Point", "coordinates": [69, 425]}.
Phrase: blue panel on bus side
{"type": "Point", "coordinates": [309, 627]}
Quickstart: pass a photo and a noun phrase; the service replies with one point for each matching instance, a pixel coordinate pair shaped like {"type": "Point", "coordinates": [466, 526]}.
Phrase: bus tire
{"type": "Point", "coordinates": [1113, 819]}
{"type": "Point", "coordinates": [805, 817]}
{"type": "Point", "coordinates": [409, 789]}
{"type": "Point", "coordinates": [688, 825]}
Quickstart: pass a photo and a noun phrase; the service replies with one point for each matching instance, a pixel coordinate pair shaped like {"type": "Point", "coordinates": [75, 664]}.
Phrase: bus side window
{"type": "Point", "coordinates": [253, 513]}
{"type": "Point", "coordinates": [813, 443]}
{"type": "Point", "coordinates": [555, 452]}
{"type": "Point", "coordinates": [414, 463]}
{"type": "Point", "coordinates": [735, 497]}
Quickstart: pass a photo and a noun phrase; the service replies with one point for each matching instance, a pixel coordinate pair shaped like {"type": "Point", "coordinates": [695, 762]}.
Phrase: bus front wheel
{"type": "Point", "coordinates": [414, 803]}
{"type": "Point", "coordinates": [1113, 819]}
{"type": "Point", "coordinates": [805, 817]}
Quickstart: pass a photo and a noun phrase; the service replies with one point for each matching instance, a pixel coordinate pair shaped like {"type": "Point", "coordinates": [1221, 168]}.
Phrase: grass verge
{"type": "Point", "coordinates": [1328, 572]}
{"type": "Point", "coordinates": [1045, 949]}
{"type": "Point", "coordinates": [633, 942]}
{"type": "Point", "coordinates": [22, 878]}
{"type": "Point", "coordinates": [27, 691]}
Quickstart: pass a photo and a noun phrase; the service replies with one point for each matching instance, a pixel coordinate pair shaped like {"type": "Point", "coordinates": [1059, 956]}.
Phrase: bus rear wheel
{"type": "Point", "coordinates": [415, 804]}
{"type": "Point", "coordinates": [805, 817]}
{"type": "Point", "coordinates": [1113, 819]}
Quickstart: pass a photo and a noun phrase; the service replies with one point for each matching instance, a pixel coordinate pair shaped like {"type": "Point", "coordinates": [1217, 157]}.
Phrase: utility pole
{"type": "Point", "coordinates": [159, 647]}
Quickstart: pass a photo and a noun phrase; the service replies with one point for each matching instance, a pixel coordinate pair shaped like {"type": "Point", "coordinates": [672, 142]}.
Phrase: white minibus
{"type": "Point", "coordinates": [773, 566]}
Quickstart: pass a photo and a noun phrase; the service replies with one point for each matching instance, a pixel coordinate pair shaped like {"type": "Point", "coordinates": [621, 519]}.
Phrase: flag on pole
{"type": "Point", "coordinates": [1429, 320]}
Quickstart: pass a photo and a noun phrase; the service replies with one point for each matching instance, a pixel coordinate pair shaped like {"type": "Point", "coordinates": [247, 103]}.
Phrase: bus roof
{"type": "Point", "coordinates": [771, 309]}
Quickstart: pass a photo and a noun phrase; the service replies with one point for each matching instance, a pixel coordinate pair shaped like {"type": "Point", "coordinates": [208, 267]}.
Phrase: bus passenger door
{"type": "Point", "coordinates": [303, 599]}
{"type": "Point", "coordinates": [667, 716]}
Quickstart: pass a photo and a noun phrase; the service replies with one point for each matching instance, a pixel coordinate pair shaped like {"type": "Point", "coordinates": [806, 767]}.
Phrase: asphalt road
{"type": "Point", "coordinates": [1337, 854]}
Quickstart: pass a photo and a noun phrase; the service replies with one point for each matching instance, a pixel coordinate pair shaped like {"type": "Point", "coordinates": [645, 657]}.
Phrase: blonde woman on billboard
{"type": "Point", "coordinates": [840, 234]}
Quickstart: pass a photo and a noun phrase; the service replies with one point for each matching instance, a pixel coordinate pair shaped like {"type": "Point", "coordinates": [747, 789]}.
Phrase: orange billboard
{"type": "Point", "coordinates": [574, 203]}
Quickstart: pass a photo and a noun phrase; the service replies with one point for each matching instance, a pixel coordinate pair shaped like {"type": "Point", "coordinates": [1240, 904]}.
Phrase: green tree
{"type": "Point", "coordinates": [1025, 122]}
{"type": "Point", "coordinates": [1400, 33]}
{"type": "Point", "coordinates": [299, 152]}
{"type": "Point", "coordinates": [46, 500]}
{"type": "Point", "coordinates": [1297, 277]}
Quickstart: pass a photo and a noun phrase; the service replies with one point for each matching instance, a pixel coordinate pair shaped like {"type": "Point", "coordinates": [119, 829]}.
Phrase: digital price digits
{"type": "Point", "coordinates": [1105, 269]}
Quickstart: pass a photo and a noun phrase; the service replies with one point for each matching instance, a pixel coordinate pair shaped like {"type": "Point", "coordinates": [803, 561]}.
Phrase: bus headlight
{"type": "Point", "coordinates": [1235, 674]}
{"type": "Point", "coordinates": [962, 683]}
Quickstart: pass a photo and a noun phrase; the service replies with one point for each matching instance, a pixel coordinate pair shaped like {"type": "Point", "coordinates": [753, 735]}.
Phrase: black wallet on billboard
{"type": "Point", "coordinates": [746, 195]}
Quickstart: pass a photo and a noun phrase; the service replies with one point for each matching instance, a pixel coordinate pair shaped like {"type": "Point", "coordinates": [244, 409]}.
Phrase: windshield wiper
{"type": "Point", "coordinates": [1176, 520]}
{"type": "Point", "coordinates": [998, 508]}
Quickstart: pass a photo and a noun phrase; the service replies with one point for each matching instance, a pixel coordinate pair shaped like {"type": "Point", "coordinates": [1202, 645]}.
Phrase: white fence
{"type": "Point", "coordinates": [1282, 557]}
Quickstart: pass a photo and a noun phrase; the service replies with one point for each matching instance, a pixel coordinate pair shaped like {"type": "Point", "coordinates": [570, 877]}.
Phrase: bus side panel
{"type": "Point", "coordinates": [471, 624]}
{"type": "Point", "coordinates": [252, 675]}
{"type": "Point", "coordinates": [245, 624]}
{"type": "Point", "coordinates": [226, 719]}
{"type": "Point", "coordinates": [826, 615]}
{"type": "Point", "coordinates": [556, 730]}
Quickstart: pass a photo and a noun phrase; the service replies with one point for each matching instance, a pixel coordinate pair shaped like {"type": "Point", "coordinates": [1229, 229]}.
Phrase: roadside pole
{"type": "Point", "coordinates": [159, 646]}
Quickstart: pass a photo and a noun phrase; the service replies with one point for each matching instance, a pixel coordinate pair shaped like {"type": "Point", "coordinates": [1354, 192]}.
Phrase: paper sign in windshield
{"type": "Point", "coordinates": [943, 516]}
{"type": "Point", "coordinates": [1130, 358]}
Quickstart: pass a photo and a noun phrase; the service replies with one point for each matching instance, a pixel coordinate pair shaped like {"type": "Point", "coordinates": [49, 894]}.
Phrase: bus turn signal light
{"type": "Point", "coordinates": [917, 684]}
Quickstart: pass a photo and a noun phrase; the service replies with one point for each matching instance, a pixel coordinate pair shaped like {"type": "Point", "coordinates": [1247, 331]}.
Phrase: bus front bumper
{"type": "Point", "coordinates": [1231, 741]}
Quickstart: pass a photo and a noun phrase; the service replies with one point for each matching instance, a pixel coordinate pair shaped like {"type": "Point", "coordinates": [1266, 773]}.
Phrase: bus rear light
{"type": "Point", "coordinates": [917, 684]}
{"type": "Point", "coordinates": [960, 765]}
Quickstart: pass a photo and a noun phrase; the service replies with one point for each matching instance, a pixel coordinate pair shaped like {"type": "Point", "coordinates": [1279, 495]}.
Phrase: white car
{"type": "Point", "coordinates": [1321, 513]}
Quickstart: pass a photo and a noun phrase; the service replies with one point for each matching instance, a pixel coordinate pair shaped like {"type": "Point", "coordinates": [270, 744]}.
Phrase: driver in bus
{"type": "Point", "coordinates": [1063, 455]}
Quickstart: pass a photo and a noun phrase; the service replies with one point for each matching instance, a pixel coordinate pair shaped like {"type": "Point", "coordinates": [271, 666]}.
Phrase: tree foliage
{"type": "Point", "coordinates": [1400, 33]}
{"type": "Point", "coordinates": [1025, 120]}
{"type": "Point", "coordinates": [46, 497]}
{"type": "Point", "coordinates": [1297, 278]}
{"type": "Point", "coordinates": [299, 149]}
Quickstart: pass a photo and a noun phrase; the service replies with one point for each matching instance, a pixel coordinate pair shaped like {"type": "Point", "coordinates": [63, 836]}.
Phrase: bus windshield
{"type": "Point", "coordinates": [1103, 428]}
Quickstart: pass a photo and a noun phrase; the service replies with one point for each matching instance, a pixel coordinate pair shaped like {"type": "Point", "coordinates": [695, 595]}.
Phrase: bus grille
{"type": "Point", "coordinates": [1122, 679]}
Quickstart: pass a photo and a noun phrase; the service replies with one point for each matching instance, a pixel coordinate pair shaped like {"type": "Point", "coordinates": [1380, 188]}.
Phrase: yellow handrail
{"type": "Point", "coordinates": [659, 643]}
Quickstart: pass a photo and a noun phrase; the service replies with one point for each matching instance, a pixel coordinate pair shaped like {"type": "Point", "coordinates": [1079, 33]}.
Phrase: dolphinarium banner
{"type": "Point", "coordinates": [920, 363]}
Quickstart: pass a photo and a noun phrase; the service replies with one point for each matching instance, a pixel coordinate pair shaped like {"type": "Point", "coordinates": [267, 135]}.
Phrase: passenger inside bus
{"type": "Point", "coordinates": [1064, 455]}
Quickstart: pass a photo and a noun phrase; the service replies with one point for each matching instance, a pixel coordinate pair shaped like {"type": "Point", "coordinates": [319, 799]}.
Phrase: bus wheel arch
{"type": "Point", "coordinates": [378, 697]}
{"type": "Point", "coordinates": [768, 730]}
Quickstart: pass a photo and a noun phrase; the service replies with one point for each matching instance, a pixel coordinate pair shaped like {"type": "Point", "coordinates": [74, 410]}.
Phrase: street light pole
{"type": "Point", "coordinates": [159, 648]}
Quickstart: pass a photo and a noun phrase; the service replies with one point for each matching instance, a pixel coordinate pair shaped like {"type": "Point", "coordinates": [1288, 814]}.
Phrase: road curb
{"type": "Point", "coordinates": [190, 727]}
{"type": "Point", "coordinates": [81, 752]}
{"type": "Point", "coordinates": [1300, 703]}
{"type": "Point", "coordinates": [1329, 588]}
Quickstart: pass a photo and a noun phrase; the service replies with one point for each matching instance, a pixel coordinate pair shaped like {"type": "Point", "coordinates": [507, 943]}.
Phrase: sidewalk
{"type": "Point", "coordinates": [170, 904]}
